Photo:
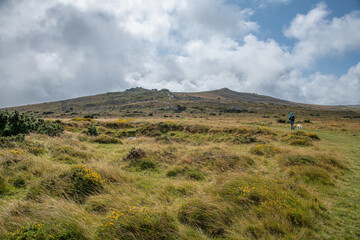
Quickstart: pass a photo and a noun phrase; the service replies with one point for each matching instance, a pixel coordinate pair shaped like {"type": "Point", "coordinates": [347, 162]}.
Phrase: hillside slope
{"type": "Point", "coordinates": [143, 102]}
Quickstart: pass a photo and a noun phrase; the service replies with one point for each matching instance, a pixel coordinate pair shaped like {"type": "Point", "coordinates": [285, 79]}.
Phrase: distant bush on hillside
{"type": "Point", "coordinates": [280, 120]}
{"type": "Point", "coordinates": [12, 124]}
{"type": "Point", "coordinates": [92, 131]}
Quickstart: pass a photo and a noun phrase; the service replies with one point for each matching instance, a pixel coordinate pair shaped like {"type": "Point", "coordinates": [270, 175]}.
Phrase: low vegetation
{"type": "Point", "coordinates": [180, 179]}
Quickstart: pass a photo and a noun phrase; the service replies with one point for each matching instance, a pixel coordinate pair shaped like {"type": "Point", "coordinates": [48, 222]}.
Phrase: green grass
{"type": "Point", "coordinates": [189, 182]}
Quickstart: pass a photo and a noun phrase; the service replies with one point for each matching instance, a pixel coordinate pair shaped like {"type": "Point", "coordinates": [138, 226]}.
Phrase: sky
{"type": "Point", "coordinates": [299, 50]}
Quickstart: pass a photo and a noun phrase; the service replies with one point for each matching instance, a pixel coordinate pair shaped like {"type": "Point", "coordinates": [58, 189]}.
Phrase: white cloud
{"type": "Point", "coordinates": [319, 37]}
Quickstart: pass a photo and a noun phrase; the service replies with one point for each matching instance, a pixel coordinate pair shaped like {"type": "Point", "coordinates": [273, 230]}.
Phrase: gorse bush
{"type": "Point", "coordinates": [138, 223]}
{"type": "Point", "coordinates": [300, 138]}
{"type": "Point", "coordinates": [15, 123]}
{"type": "Point", "coordinates": [12, 141]}
{"type": "Point", "coordinates": [47, 231]}
{"type": "Point", "coordinates": [84, 182]}
{"type": "Point", "coordinates": [49, 128]}
{"type": "Point", "coordinates": [264, 149]}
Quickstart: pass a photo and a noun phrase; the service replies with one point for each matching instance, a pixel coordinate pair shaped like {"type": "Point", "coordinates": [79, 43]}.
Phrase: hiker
{"type": "Point", "coordinates": [292, 120]}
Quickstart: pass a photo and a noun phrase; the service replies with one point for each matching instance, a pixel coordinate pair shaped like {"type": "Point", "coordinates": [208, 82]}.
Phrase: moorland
{"type": "Point", "coordinates": [179, 166]}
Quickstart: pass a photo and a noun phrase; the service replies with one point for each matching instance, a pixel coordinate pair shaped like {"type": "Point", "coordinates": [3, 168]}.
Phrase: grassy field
{"type": "Point", "coordinates": [220, 177]}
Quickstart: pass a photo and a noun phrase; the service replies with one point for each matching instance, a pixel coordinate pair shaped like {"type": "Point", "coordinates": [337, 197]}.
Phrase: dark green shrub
{"type": "Point", "coordinates": [92, 131]}
{"type": "Point", "coordinates": [91, 116]}
{"type": "Point", "coordinates": [15, 123]}
{"type": "Point", "coordinates": [50, 128]}
{"type": "Point", "coordinates": [281, 120]}
{"type": "Point", "coordinates": [138, 223]}
{"type": "Point", "coordinates": [12, 141]}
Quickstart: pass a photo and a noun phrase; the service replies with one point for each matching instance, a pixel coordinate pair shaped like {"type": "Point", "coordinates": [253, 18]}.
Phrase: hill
{"type": "Point", "coordinates": [142, 102]}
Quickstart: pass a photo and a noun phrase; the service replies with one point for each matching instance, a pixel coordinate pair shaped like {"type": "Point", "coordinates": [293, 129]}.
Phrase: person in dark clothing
{"type": "Point", "coordinates": [292, 120]}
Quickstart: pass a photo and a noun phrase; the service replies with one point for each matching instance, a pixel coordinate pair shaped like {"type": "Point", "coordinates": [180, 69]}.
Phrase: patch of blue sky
{"type": "Point", "coordinates": [272, 18]}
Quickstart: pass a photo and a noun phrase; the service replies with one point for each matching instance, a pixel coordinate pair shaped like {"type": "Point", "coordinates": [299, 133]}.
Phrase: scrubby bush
{"type": "Point", "coordinates": [15, 123]}
{"type": "Point", "coordinates": [49, 128]}
{"type": "Point", "coordinates": [92, 131]}
{"type": "Point", "coordinates": [264, 149]}
{"type": "Point", "coordinates": [12, 141]}
{"type": "Point", "coordinates": [300, 138]}
{"type": "Point", "coordinates": [281, 120]}
{"type": "Point", "coordinates": [84, 181]}
{"type": "Point", "coordinates": [47, 231]}
{"type": "Point", "coordinates": [209, 217]}
{"type": "Point", "coordinates": [296, 139]}
{"type": "Point", "coordinates": [138, 223]}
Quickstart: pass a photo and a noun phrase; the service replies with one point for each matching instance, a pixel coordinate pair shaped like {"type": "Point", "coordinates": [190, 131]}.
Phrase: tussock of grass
{"type": "Point", "coordinates": [195, 178]}
{"type": "Point", "coordinates": [138, 223]}
{"type": "Point", "coordinates": [105, 139]}
{"type": "Point", "coordinates": [138, 160]}
{"type": "Point", "coordinates": [216, 159]}
{"type": "Point", "coordinates": [186, 171]}
{"type": "Point", "coordinates": [210, 217]}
